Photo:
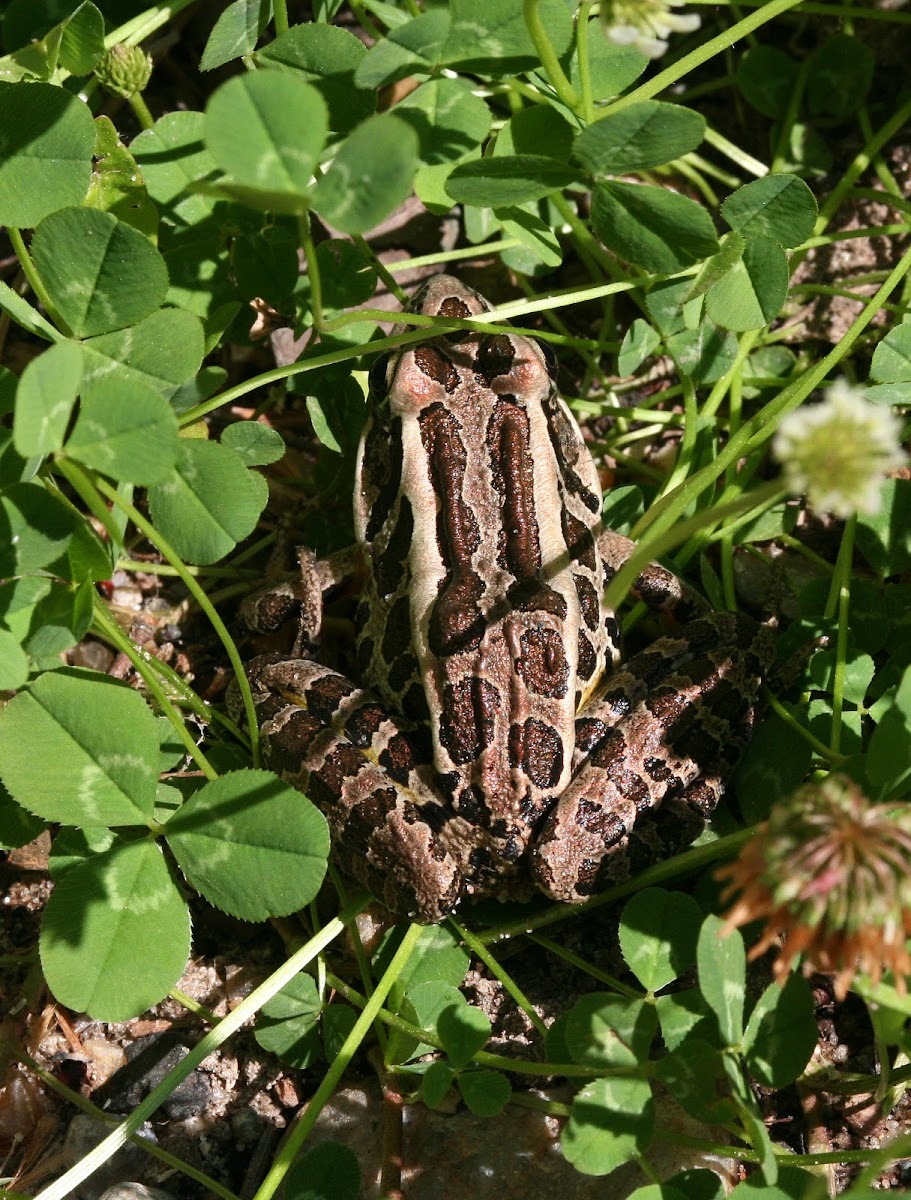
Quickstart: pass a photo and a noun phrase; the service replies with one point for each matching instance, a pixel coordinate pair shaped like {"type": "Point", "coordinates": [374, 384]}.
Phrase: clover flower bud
{"type": "Point", "coordinates": [125, 70]}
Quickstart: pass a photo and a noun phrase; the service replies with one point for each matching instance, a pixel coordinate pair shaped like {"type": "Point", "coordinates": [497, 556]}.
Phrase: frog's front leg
{"type": "Point", "coordinates": [369, 774]}
{"type": "Point", "coordinates": [657, 587]}
{"type": "Point", "coordinates": [299, 597]}
{"type": "Point", "coordinates": [667, 729]}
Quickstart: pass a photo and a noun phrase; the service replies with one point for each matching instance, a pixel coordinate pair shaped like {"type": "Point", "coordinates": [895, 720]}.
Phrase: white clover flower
{"type": "Point", "coordinates": [645, 24]}
{"type": "Point", "coordinates": [837, 452]}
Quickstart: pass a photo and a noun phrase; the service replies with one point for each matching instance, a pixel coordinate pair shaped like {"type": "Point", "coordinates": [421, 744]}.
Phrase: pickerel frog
{"type": "Point", "coordinates": [497, 747]}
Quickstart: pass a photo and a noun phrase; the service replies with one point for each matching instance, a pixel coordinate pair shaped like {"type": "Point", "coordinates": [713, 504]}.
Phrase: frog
{"type": "Point", "coordinates": [495, 744]}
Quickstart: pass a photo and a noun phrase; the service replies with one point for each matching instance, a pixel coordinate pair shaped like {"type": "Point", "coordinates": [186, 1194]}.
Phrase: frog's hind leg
{"type": "Point", "coordinates": [667, 731]}
{"type": "Point", "coordinates": [370, 777]}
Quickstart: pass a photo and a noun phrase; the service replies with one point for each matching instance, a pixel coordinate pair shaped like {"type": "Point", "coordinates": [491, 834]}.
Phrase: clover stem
{"type": "Point", "coordinates": [34, 279]}
{"type": "Point", "coordinates": [196, 591]}
{"type": "Point", "coordinates": [141, 109]}
{"type": "Point", "coordinates": [549, 61]}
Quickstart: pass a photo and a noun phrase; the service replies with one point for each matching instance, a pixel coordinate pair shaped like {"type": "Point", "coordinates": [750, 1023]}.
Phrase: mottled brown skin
{"type": "Point", "coordinates": [477, 509]}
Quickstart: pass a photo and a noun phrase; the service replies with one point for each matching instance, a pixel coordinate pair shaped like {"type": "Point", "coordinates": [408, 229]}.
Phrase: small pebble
{"type": "Point", "coordinates": [135, 1191]}
{"type": "Point", "coordinates": [106, 1059]}
{"type": "Point", "coordinates": [83, 1134]}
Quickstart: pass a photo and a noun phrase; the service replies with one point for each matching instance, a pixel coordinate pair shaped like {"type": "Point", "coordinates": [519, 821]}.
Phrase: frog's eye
{"type": "Point", "coordinates": [550, 357]}
{"type": "Point", "coordinates": [376, 377]}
